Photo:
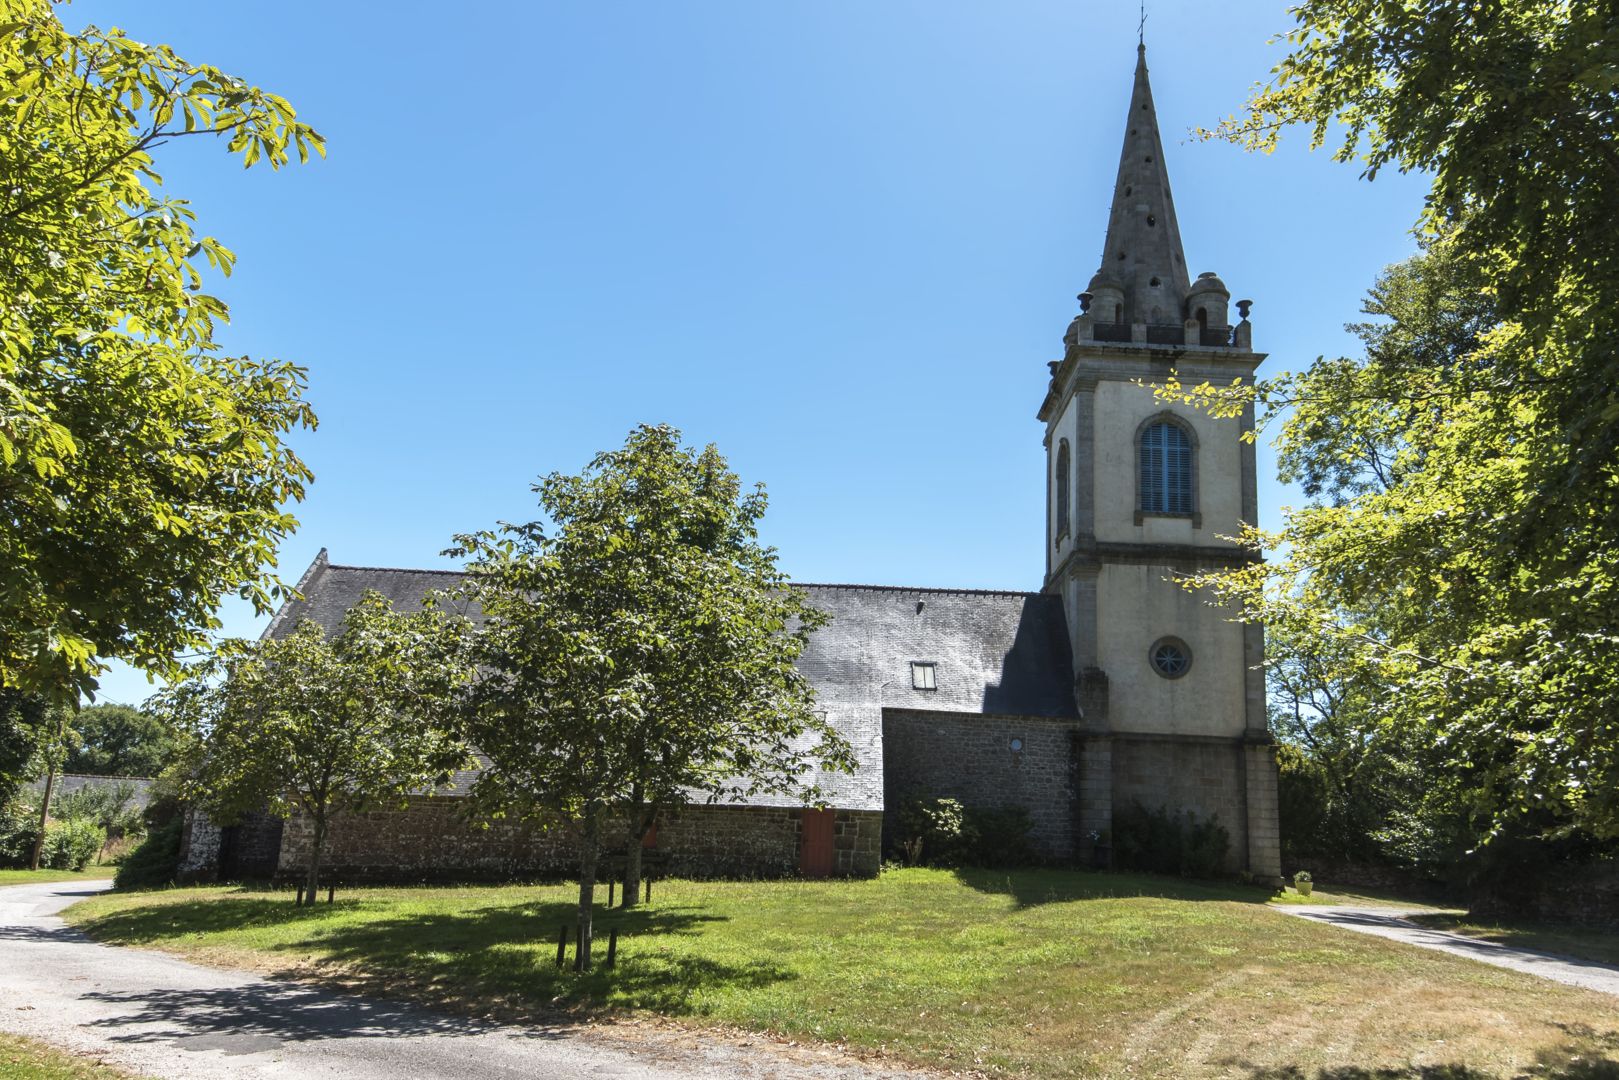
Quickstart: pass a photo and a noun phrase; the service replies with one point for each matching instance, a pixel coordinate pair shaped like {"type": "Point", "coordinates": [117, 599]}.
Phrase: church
{"type": "Point", "coordinates": [1110, 687]}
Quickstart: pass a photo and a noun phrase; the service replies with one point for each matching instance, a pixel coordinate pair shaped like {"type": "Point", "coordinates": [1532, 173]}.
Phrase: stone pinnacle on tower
{"type": "Point", "coordinates": [1143, 276]}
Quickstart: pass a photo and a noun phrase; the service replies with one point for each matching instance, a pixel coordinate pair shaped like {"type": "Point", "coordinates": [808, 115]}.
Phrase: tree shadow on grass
{"type": "Point", "coordinates": [491, 960]}
{"type": "Point", "coordinates": [1574, 1070]}
{"type": "Point", "coordinates": [1051, 886]}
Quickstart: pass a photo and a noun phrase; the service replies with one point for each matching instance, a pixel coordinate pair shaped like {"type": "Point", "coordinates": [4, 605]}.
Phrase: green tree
{"type": "Point", "coordinates": [1475, 575]}
{"type": "Point", "coordinates": [118, 740]}
{"type": "Point", "coordinates": [143, 475]}
{"type": "Point", "coordinates": [22, 733]}
{"type": "Point", "coordinates": [323, 725]}
{"type": "Point", "coordinates": [638, 651]}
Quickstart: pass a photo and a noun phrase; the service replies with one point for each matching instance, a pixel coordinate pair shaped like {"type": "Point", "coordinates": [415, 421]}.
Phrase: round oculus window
{"type": "Point", "coordinates": [1170, 657]}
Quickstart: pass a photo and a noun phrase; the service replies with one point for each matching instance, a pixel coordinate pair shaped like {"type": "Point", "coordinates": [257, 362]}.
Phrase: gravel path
{"type": "Point", "coordinates": [1393, 924]}
{"type": "Point", "coordinates": [159, 1015]}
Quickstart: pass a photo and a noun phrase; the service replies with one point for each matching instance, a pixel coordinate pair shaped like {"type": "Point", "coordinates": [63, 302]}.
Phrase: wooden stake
{"type": "Point", "coordinates": [612, 946]}
{"type": "Point", "coordinates": [562, 946]}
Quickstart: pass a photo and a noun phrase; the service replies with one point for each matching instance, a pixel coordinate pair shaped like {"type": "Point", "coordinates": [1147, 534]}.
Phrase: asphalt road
{"type": "Point", "coordinates": [1390, 923]}
{"type": "Point", "coordinates": [165, 1017]}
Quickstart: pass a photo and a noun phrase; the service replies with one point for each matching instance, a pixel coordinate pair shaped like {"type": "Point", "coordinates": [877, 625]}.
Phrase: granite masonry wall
{"type": "Point", "coordinates": [970, 757]}
{"type": "Point", "coordinates": [1205, 776]}
{"type": "Point", "coordinates": [432, 839]}
{"type": "Point", "coordinates": [199, 848]}
{"type": "Point", "coordinates": [251, 848]}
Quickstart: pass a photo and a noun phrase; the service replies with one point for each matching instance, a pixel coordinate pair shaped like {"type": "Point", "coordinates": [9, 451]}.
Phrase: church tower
{"type": "Point", "coordinates": [1139, 492]}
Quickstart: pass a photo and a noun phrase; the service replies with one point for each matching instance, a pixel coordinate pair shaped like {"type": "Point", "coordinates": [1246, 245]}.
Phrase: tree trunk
{"type": "Point", "coordinates": [632, 865]}
{"type": "Point", "coordinates": [44, 812]}
{"type": "Point", "coordinates": [312, 883]}
{"type": "Point", "coordinates": [638, 823]}
{"type": "Point", "coordinates": [589, 850]}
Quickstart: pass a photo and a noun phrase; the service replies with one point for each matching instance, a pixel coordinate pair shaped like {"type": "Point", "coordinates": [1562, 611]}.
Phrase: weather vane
{"type": "Point", "coordinates": [1141, 27]}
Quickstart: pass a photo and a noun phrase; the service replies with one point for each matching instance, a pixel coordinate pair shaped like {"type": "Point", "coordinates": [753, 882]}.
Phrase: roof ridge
{"type": "Point", "coordinates": [958, 590]}
{"type": "Point", "coordinates": [395, 569]}
{"type": "Point", "coordinates": [916, 588]}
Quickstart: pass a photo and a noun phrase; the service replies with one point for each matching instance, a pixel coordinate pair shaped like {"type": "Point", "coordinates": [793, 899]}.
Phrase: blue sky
{"type": "Point", "coordinates": [840, 240]}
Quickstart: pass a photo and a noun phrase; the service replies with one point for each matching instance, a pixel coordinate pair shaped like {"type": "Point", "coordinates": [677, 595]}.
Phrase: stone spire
{"type": "Point", "coordinates": [1143, 276]}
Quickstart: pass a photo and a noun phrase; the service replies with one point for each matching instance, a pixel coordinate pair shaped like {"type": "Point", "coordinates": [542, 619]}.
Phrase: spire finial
{"type": "Point", "coordinates": [1141, 28]}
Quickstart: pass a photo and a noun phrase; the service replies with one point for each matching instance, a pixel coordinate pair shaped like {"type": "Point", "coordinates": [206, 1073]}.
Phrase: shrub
{"type": "Point", "coordinates": [932, 831]}
{"type": "Point", "coordinates": [1161, 841]}
{"type": "Point", "coordinates": [70, 845]}
{"type": "Point", "coordinates": [112, 806]}
{"type": "Point", "coordinates": [944, 832]}
{"type": "Point", "coordinates": [999, 836]}
{"type": "Point", "coordinates": [19, 827]}
{"type": "Point", "coordinates": [155, 862]}
{"type": "Point", "coordinates": [164, 807]}
{"type": "Point", "coordinates": [118, 848]}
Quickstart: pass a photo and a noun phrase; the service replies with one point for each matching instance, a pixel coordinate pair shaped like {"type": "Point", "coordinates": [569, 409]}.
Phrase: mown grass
{"type": "Point", "coordinates": [27, 1059]}
{"type": "Point", "coordinates": [30, 877]}
{"type": "Point", "coordinates": [1046, 973]}
{"type": "Point", "coordinates": [1577, 942]}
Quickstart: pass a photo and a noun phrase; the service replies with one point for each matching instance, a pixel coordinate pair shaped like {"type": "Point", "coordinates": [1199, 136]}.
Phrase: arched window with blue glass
{"type": "Point", "coordinates": [1167, 458]}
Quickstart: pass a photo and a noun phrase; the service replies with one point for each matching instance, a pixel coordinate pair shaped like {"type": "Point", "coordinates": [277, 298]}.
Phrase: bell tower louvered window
{"type": "Point", "coordinates": [1166, 469]}
{"type": "Point", "coordinates": [1062, 483]}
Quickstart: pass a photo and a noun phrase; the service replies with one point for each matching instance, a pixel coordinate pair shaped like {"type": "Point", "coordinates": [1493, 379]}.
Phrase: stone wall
{"type": "Point", "coordinates": [1264, 808]}
{"type": "Point", "coordinates": [1201, 775]}
{"type": "Point", "coordinates": [432, 839]}
{"type": "Point", "coordinates": [970, 757]}
{"type": "Point", "coordinates": [199, 848]}
{"type": "Point", "coordinates": [251, 848]}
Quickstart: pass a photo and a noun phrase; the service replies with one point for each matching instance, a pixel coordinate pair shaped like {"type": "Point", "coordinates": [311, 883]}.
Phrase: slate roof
{"type": "Point", "coordinates": [995, 653]}
{"type": "Point", "coordinates": [71, 783]}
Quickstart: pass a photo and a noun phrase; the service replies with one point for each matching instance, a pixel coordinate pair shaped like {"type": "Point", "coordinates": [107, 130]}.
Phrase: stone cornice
{"type": "Point", "coordinates": [1088, 363]}
{"type": "Point", "coordinates": [1089, 555]}
{"type": "Point", "coordinates": [1247, 738]}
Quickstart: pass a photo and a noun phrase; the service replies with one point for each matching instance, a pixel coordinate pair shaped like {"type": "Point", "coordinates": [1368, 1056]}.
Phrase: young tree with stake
{"type": "Point", "coordinates": [638, 651]}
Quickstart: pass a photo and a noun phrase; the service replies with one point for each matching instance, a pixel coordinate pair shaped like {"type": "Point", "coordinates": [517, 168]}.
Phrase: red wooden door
{"type": "Point", "coordinates": [815, 854]}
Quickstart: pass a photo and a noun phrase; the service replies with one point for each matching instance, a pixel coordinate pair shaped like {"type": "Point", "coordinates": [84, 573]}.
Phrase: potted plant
{"type": "Point", "coordinates": [1301, 882]}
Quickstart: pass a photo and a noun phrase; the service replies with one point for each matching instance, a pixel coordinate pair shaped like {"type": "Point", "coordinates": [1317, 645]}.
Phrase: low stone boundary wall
{"type": "Point", "coordinates": [432, 839]}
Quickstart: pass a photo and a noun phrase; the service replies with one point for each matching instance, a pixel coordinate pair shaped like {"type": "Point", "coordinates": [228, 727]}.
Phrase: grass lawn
{"type": "Point", "coordinates": [1582, 944]}
{"type": "Point", "coordinates": [1047, 973]}
{"type": "Point", "coordinates": [25, 1059]}
{"type": "Point", "coordinates": [29, 877]}
{"type": "Point", "coordinates": [1356, 897]}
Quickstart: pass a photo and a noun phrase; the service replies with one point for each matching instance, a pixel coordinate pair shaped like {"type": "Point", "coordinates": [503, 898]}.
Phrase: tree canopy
{"type": "Point", "coordinates": [639, 649]}
{"type": "Point", "coordinates": [143, 474]}
{"type": "Point", "coordinates": [323, 725]}
{"type": "Point", "coordinates": [24, 733]}
{"type": "Point", "coordinates": [119, 740]}
{"type": "Point", "coordinates": [1461, 550]}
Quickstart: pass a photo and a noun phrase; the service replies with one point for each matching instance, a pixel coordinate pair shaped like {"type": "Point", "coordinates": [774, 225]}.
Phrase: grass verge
{"type": "Point", "coordinates": [1045, 973]}
{"type": "Point", "coordinates": [26, 1059]}
{"type": "Point", "coordinates": [30, 877]}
